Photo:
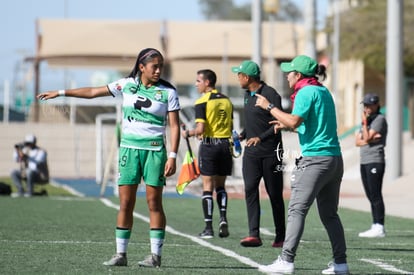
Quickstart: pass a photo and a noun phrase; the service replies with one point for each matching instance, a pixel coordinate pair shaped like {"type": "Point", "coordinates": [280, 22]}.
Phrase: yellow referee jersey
{"type": "Point", "coordinates": [215, 110]}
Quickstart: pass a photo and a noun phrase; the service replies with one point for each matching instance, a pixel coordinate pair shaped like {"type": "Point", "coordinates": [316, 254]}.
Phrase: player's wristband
{"type": "Point", "coordinates": [61, 92]}
{"type": "Point", "coordinates": [172, 155]}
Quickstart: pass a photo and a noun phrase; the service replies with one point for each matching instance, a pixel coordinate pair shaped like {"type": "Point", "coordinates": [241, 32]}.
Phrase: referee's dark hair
{"type": "Point", "coordinates": [210, 76]}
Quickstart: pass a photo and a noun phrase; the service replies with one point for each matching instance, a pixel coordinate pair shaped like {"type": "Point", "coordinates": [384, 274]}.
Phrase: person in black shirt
{"type": "Point", "coordinates": [262, 156]}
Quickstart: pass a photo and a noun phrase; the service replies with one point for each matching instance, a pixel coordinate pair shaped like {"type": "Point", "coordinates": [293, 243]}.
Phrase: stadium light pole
{"type": "Point", "coordinates": [394, 87]}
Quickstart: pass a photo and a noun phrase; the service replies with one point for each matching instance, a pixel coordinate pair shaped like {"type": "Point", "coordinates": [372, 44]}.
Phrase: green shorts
{"type": "Point", "coordinates": [135, 164]}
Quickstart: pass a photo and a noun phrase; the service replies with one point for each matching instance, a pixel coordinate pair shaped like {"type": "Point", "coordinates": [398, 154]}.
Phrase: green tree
{"type": "Point", "coordinates": [216, 9]}
{"type": "Point", "coordinates": [363, 35]}
{"type": "Point", "coordinates": [227, 10]}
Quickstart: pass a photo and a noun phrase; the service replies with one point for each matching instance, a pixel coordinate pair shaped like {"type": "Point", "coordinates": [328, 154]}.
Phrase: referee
{"type": "Point", "coordinates": [214, 123]}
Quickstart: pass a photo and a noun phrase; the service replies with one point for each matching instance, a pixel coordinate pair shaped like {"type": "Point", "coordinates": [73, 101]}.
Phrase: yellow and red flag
{"type": "Point", "coordinates": [189, 172]}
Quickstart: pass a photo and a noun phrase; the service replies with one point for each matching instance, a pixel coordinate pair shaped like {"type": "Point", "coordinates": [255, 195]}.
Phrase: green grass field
{"type": "Point", "coordinates": [62, 234]}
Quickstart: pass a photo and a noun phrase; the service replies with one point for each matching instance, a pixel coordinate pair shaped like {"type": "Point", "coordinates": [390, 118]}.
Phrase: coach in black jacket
{"type": "Point", "coordinates": [262, 155]}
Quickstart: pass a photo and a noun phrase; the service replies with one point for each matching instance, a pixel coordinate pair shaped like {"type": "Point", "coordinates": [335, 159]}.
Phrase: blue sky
{"type": "Point", "coordinates": [17, 23]}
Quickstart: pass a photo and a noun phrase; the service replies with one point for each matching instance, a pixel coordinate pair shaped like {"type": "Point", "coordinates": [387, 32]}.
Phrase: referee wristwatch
{"type": "Point", "coordinates": [270, 107]}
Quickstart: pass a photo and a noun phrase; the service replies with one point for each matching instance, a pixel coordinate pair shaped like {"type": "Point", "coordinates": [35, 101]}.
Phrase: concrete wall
{"type": "Point", "coordinates": [351, 86]}
{"type": "Point", "coordinates": [71, 148]}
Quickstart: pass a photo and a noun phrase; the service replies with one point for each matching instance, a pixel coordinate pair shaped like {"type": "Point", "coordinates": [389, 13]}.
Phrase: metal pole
{"type": "Point", "coordinates": [36, 66]}
{"type": "Point", "coordinates": [6, 102]}
{"type": "Point", "coordinates": [271, 7]}
{"type": "Point", "coordinates": [257, 31]}
{"type": "Point", "coordinates": [272, 64]}
{"type": "Point", "coordinates": [310, 31]}
{"type": "Point", "coordinates": [36, 111]}
{"type": "Point", "coordinates": [72, 106]}
{"type": "Point", "coordinates": [335, 53]}
{"type": "Point", "coordinates": [225, 64]}
{"type": "Point", "coordinates": [394, 87]}
{"type": "Point", "coordinates": [99, 154]}
{"type": "Point", "coordinates": [99, 143]}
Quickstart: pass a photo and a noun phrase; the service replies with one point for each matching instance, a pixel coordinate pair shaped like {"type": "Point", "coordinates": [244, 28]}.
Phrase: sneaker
{"type": "Point", "coordinates": [277, 244]}
{"type": "Point", "coordinates": [206, 234]}
{"type": "Point", "coordinates": [152, 260]}
{"type": "Point", "coordinates": [279, 266]}
{"type": "Point", "coordinates": [376, 231]}
{"type": "Point", "coordinates": [251, 242]}
{"type": "Point", "coordinates": [223, 229]}
{"type": "Point", "coordinates": [117, 260]}
{"type": "Point", "coordinates": [334, 268]}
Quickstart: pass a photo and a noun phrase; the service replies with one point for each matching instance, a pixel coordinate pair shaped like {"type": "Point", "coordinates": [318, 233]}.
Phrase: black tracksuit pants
{"type": "Point", "coordinates": [372, 175]}
{"type": "Point", "coordinates": [268, 168]}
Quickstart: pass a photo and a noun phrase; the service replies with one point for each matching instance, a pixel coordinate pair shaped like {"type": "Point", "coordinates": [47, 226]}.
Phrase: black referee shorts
{"type": "Point", "coordinates": [214, 158]}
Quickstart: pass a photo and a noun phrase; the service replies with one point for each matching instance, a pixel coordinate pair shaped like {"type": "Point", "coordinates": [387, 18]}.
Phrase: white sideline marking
{"type": "Point", "coordinates": [171, 230]}
{"type": "Point", "coordinates": [266, 231]}
{"type": "Point", "coordinates": [385, 266]}
{"type": "Point", "coordinates": [67, 188]}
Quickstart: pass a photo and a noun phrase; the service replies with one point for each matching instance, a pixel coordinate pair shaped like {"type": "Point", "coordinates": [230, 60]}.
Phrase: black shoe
{"type": "Point", "coordinates": [207, 234]}
{"type": "Point", "coordinates": [223, 229]}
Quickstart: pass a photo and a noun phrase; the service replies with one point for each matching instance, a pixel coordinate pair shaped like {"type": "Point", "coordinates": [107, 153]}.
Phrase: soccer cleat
{"type": "Point", "coordinates": [152, 260]}
{"type": "Point", "coordinates": [223, 229]}
{"type": "Point", "coordinates": [206, 234]}
{"type": "Point", "coordinates": [277, 244]}
{"type": "Point", "coordinates": [251, 242]}
{"type": "Point", "coordinates": [279, 266]}
{"type": "Point", "coordinates": [376, 231]}
{"type": "Point", "coordinates": [334, 268]}
{"type": "Point", "coordinates": [117, 260]}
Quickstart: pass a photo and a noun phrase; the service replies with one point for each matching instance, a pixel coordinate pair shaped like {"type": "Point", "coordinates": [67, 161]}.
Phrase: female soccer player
{"type": "Point", "coordinates": [148, 103]}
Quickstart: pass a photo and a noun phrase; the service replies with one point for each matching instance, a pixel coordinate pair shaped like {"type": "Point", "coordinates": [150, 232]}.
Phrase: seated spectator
{"type": "Point", "coordinates": [33, 166]}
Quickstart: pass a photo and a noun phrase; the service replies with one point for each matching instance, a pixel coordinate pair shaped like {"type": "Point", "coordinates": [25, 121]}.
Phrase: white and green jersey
{"type": "Point", "coordinates": [144, 112]}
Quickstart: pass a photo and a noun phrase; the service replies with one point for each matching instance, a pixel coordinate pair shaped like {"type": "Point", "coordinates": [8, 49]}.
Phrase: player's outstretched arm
{"type": "Point", "coordinates": [86, 92]}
